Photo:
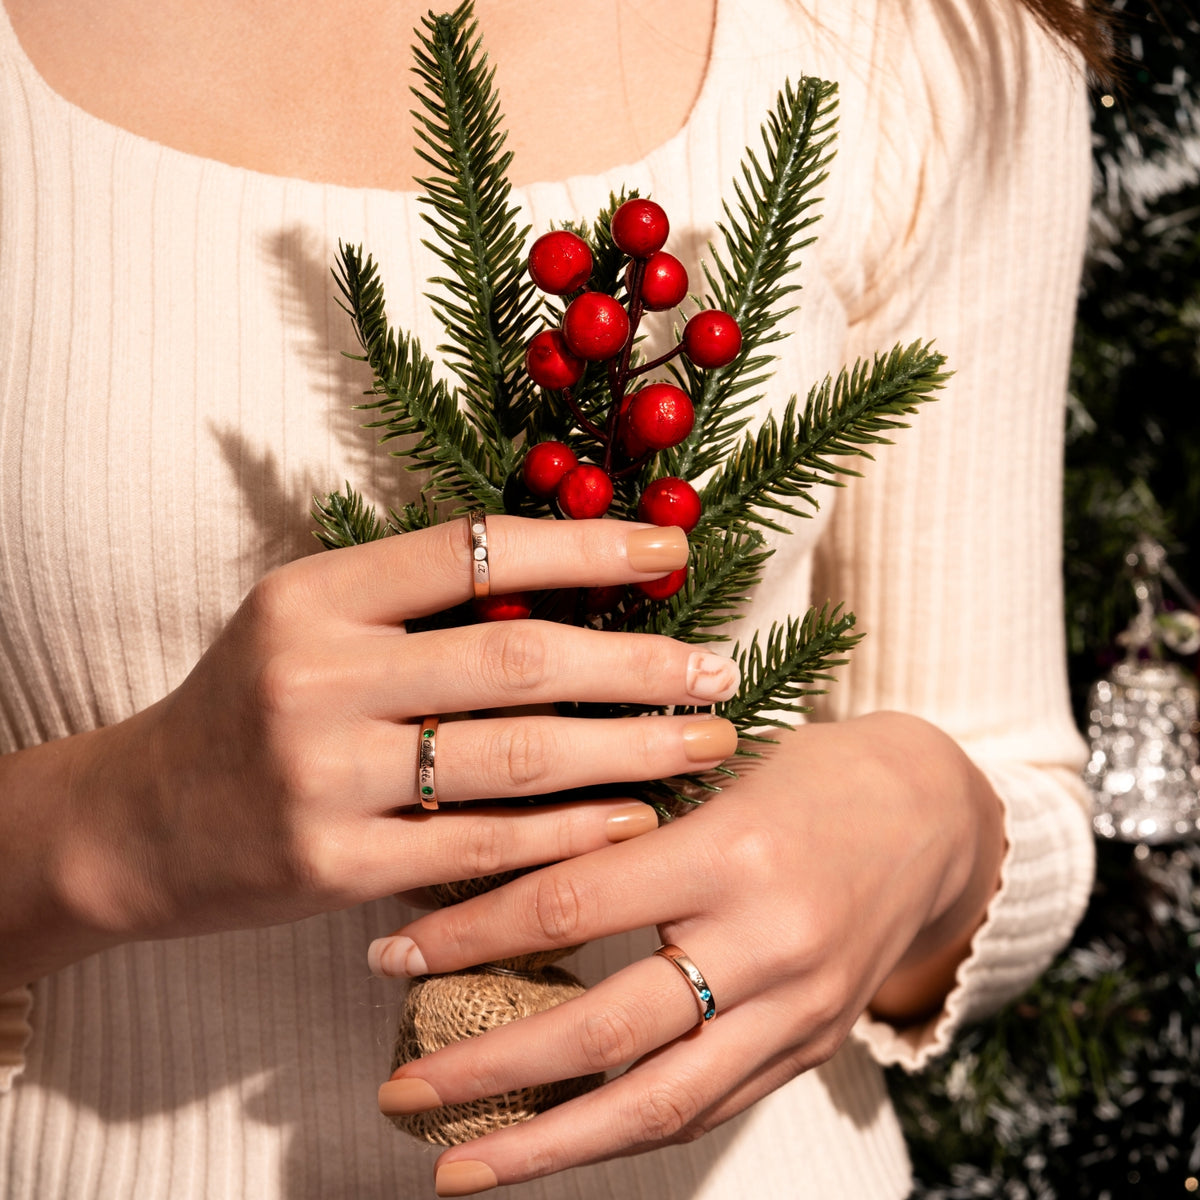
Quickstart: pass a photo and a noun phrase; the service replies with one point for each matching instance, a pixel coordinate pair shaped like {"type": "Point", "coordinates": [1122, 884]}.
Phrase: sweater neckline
{"type": "Point", "coordinates": [707, 101]}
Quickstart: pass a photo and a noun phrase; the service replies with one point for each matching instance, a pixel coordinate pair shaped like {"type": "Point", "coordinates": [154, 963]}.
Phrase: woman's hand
{"type": "Point", "coordinates": [279, 779]}
{"type": "Point", "coordinates": [855, 861]}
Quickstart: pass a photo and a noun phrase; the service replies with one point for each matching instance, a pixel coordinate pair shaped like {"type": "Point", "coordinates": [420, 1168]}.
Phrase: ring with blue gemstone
{"type": "Point", "coordinates": [690, 972]}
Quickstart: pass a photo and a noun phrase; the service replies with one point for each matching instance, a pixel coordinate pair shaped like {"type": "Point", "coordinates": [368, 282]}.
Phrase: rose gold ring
{"type": "Point", "coordinates": [481, 575]}
{"type": "Point", "coordinates": [426, 754]}
{"type": "Point", "coordinates": [690, 972]}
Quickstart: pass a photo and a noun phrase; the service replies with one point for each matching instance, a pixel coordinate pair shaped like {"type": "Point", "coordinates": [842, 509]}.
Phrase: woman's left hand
{"type": "Point", "coordinates": [849, 866]}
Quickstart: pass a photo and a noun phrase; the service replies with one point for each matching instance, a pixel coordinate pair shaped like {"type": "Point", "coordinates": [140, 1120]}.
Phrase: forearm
{"type": "Point", "coordinates": [61, 897]}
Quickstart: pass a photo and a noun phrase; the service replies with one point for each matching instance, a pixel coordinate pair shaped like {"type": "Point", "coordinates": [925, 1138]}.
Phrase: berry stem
{"type": "Point", "coordinates": [635, 466]}
{"type": "Point", "coordinates": [657, 362]}
{"type": "Point", "coordinates": [619, 373]}
{"type": "Point", "coordinates": [584, 420]}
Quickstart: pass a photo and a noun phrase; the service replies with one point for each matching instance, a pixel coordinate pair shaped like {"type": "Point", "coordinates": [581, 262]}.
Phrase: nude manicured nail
{"type": "Point", "coordinates": [399, 1097]}
{"type": "Point", "coordinates": [630, 822]}
{"type": "Point", "coordinates": [712, 676]}
{"type": "Point", "coordinates": [709, 741]}
{"type": "Point", "coordinates": [657, 551]}
{"type": "Point", "coordinates": [395, 958]}
{"type": "Point", "coordinates": [464, 1178]}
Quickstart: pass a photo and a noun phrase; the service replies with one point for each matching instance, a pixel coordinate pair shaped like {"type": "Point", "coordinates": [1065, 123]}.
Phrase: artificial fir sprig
{"type": "Point", "coordinates": [487, 305]}
{"type": "Point", "coordinates": [461, 466]}
{"type": "Point", "coordinates": [763, 240]}
{"type": "Point", "coordinates": [787, 458]}
{"type": "Point", "coordinates": [597, 399]}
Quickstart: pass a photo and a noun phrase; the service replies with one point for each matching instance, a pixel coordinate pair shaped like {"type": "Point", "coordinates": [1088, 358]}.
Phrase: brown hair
{"type": "Point", "coordinates": [1081, 24]}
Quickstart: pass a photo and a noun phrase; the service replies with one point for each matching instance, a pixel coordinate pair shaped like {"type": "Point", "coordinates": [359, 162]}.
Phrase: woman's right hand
{"type": "Point", "coordinates": [279, 779]}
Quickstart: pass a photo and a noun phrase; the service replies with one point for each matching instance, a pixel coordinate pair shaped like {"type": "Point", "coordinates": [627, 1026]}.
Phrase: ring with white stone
{"type": "Point", "coordinates": [481, 577]}
{"type": "Point", "coordinates": [690, 972]}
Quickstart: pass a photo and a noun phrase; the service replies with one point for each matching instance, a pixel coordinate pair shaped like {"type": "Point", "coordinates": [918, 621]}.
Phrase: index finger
{"type": "Point", "coordinates": [429, 570]}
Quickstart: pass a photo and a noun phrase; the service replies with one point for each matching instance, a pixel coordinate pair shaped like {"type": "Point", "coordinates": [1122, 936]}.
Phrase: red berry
{"type": "Point", "coordinates": [670, 501]}
{"type": "Point", "coordinates": [639, 227]}
{"type": "Point", "coordinates": [660, 415]}
{"type": "Point", "coordinates": [508, 606]}
{"type": "Point", "coordinates": [560, 262]}
{"type": "Point", "coordinates": [545, 465]}
{"type": "Point", "coordinates": [664, 283]}
{"type": "Point", "coordinates": [668, 585]}
{"type": "Point", "coordinates": [550, 362]}
{"type": "Point", "coordinates": [584, 492]}
{"type": "Point", "coordinates": [599, 600]}
{"type": "Point", "coordinates": [595, 326]}
{"type": "Point", "coordinates": [712, 338]}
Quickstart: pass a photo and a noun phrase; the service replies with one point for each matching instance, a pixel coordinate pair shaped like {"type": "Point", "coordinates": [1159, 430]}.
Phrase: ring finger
{"type": "Point", "coordinates": [491, 758]}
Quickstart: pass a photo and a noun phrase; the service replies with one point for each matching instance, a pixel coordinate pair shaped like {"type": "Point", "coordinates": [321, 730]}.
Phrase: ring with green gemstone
{"type": "Point", "coordinates": [426, 754]}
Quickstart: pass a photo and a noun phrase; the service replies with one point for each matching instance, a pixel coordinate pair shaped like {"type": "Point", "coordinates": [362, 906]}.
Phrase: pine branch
{"type": "Point", "coordinates": [796, 658]}
{"type": "Point", "coordinates": [786, 459]}
{"type": "Point", "coordinates": [762, 244]}
{"type": "Point", "coordinates": [489, 305]}
{"type": "Point", "coordinates": [776, 678]}
{"type": "Point", "coordinates": [346, 520]}
{"type": "Point", "coordinates": [464, 468]}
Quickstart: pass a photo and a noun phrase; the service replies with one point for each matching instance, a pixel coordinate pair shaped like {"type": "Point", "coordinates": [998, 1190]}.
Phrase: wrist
{"type": "Point", "coordinates": [948, 795]}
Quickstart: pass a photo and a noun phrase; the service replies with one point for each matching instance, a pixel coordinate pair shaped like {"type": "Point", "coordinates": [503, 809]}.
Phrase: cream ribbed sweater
{"type": "Point", "coordinates": [171, 395]}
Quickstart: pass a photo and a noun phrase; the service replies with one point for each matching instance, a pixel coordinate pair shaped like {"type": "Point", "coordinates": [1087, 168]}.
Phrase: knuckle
{"type": "Point", "coordinates": [284, 683]}
{"type": "Point", "coordinates": [653, 661]}
{"type": "Point", "coordinates": [522, 755]}
{"type": "Point", "coordinates": [272, 600]}
{"type": "Point", "coordinates": [514, 656]}
{"type": "Point", "coordinates": [316, 868]}
{"type": "Point", "coordinates": [558, 908]}
{"type": "Point", "coordinates": [750, 854]}
{"type": "Point", "coordinates": [665, 1114]}
{"type": "Point", "coordinates": [485, 847]}
{"type": "Point", "coordinates": [609, 1039]}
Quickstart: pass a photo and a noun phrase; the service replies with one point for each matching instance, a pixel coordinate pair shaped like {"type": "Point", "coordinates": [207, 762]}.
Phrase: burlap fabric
{"type": "Point", "coordinates": [442, 1009]}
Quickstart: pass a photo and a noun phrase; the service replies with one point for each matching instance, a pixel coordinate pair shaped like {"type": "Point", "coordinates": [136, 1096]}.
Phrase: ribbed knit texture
{"type": "Point", "coordinates": [171, 396]}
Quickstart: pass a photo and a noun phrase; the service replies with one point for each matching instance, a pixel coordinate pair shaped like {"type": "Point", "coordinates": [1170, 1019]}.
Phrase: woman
{"type": "Point", "coordinates": [199, 822]}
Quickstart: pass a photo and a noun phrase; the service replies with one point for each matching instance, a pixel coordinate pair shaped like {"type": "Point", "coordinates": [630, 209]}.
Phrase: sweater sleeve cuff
{"type": "Point", "coordinates": [1045, 884]}
{"type": "Point", "coordinates": [15, 1032]}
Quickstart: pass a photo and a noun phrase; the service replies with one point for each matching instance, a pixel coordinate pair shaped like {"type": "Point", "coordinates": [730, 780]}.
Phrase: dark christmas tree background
{"type": "Point", "coordinates": [1088, 1086]}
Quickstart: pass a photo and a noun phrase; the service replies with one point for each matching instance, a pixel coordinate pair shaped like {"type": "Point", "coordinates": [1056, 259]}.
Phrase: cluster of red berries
{"type": "Point", "coordinates": [598, 328]}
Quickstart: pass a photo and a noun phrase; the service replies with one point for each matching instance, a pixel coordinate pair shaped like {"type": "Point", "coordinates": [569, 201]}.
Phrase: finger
{"type": "Point", "coordinates": [513, 663]}
{"type": "Point", "coordinates": [621, 1019]}
{"type": "Point", "coordinates": [628, 887]}
{"type": "Point", "coordinates": [431, 848]}
{"type": "Point", "coordinates": [491, 758]}
{"type": "Point", "coordinates": [663, 1099]}
{"type": "Point", "coordinates": [430, 570]}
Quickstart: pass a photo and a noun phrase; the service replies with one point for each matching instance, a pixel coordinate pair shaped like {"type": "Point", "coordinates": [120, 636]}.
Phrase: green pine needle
{"type": "Point", "coordinates": [413, 402]}
{"type": "Point", "coordinates": [763, 239]}
{"type": "Point", "coordinates": [778, 676]}
{"type": "Point", "coordinates": [488, 304]}
{"type": "Point", "coordinates": [724, 567]}
{"type": "Point", "coordinates": [787, 458]}
{"type": "Point", "coordinates": [346, 520]}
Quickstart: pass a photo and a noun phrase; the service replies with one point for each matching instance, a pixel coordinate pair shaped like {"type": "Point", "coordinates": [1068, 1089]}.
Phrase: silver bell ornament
{"type": "Point", "coordinates": [1144, 766]}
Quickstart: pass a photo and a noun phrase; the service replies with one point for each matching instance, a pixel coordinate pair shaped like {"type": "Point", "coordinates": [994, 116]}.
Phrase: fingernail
{"type": "Point", "coordinates": [395, 958]}
{"type": "Point", "coordinates": [398, 1097]}
{"type": "Point", "coordinates": [711, 740]}
{"type": "Point", "coordinates": [657, 551]}
{"type": "Point", "coordinates": [712, 676]}
{"type": "Point", "coordinates": [630, 822]}
{"type": "Point", "coordinates": [464, 1178]}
